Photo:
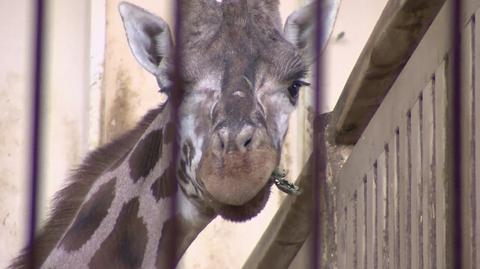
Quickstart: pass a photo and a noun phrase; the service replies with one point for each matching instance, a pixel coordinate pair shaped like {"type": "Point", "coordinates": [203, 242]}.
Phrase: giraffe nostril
{"type": "Point", "coordinates": [245, 138]}
{"type": "Point", "coordinates": [222, 145]}
{"type": "Point", "coordinates": [248, 142]}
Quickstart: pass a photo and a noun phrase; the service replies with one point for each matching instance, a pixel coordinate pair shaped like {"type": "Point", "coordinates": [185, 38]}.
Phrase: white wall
{"type": "Point", "coordinates": [15, 40]}
{"type": "Point", "coordinates": [65, 118]}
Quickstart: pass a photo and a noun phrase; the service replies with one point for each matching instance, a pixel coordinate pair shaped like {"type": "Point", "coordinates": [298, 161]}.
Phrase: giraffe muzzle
{"type": "Point", "coordinates": [237, 165]}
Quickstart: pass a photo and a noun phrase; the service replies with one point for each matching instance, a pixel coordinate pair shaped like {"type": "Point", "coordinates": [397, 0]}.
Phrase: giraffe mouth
{"type": "Point", "coordinates": [246, 211]}
{"type": "Point", "coordinates": [235, 179]}
{"type": "Point", "coordinates": [238, 184]}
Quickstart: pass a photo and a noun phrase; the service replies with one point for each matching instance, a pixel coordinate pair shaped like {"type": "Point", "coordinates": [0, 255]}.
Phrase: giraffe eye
{"type": "Point", "coordinates": [295, 87]}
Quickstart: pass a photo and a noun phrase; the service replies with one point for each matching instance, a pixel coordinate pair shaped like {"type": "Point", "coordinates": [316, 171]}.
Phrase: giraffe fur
{"type": "Point", "coordinates": [241, 75]}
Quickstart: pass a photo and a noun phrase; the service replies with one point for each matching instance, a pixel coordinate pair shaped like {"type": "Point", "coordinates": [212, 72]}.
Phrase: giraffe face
{"type": "Point", "coordinates": [242, 76]}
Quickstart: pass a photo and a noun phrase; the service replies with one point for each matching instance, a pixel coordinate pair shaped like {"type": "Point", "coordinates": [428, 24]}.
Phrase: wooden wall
{"type": "Point", "coordinates": [394, 192]}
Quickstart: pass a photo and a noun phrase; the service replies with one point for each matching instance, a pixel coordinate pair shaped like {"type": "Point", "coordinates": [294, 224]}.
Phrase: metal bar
{"type": "Point", "coordinates": [456, 30]}
{"type": "Point", "coordinates": [175, 99]}
{"type": "Point", "coordinates": [318, 147]}
{"type": "Point", "coordinates": [36, 104]}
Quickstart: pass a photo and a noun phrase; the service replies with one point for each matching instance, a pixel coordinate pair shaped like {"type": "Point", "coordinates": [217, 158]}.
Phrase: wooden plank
{"type": "Point", "coordinates": [416, 184]}
{"type": "Point", "coordinates": [392, 42]}
{"type": "Point", "coordinates": [467, 146]}
{"type": "Point", "coordinates": [476, 85]}
{"type": "Point", "coordinates": [381, 194]}
{"type": "Point", "coordinates": [370, 206]}
{"type": "Point", "coordinates": [429, 54]}
{"type": "Point", "coordinates": [392, 203]}
{"type": "Point", "coordinates": [342, 240]}
{"type": "Point", "coordinates": [404, 196]}
{"type": "Point", "coordinates": [361, 227]}
{"type": "Point", "coordinates": [441, 115]}
{"type": "Point", "coordinates": [288, 229]}
{"type": "Point", "coordinates": [428, 205]}
{"type": "Point", "coordinates": [416, 74]}
{"type": "Point", "coordinates": [291, 224]}
{"type": "Point", "coordinates": [351, 235]}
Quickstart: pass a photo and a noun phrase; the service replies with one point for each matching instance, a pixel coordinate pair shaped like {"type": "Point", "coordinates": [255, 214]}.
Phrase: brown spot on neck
{"type": "Point", "coordinates": [146, 155]}
{"type": "Point", "coordinates": [169, 132]}
{"type": "Point", "coordinates": [183, 232]}
{"type": "Point", "coordinates": [126, 244]}
{"type": "Point", "coordinates": [164, 186]}
{"type": "Point", "coordinates": [90, 216]}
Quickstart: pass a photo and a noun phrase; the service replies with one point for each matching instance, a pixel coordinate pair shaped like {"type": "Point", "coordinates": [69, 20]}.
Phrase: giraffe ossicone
{"type": "Point", "coordinates": [241, 74]}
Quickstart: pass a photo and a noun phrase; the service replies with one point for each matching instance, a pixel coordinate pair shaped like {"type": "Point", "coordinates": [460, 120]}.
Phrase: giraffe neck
{"type": "Point", "coordinates": [125, 219]}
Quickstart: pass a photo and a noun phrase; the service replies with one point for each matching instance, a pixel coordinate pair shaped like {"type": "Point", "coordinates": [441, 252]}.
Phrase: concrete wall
{"type": "Point", "coordinates": [65, 116]}
{"type": "Point", "coordinates": [96, 91]}
{"type": "Point", "coordinates": [15, 33]}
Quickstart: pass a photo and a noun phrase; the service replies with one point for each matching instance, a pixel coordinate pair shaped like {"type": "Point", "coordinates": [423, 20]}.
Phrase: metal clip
{"type": "Point", "coordinates": [280, 179]}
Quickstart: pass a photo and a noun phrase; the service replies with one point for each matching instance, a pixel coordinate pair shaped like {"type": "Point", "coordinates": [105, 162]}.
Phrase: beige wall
{"type": "Point", "coordinates": [96, 91]}
{"type": "Point", "coordinates": [15, 40]}
{"type": "Point", "coordinates": [66, 86]}
{"type": "Point", "coordinates": [65, 117]}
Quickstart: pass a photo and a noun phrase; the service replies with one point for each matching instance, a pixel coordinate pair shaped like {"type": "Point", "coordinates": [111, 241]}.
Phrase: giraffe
{"type": "Point", "coordinates": [242, 74]}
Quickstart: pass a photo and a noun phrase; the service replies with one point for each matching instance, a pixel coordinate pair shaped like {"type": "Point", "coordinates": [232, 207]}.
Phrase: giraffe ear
{"type": "Point", "coordinates": [149, 39]}
{"type": "Point", "coordinates": [300, 27]}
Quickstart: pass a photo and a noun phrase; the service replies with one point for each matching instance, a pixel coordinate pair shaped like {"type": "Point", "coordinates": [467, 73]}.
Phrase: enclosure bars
{"type": "Point", "coordinates": [318, 147]}
{"type": "Point", "coordinates": [456, 29]}
{"type": "Point", "coordinates": [175, 97]}
{"type": "Point", "coordinates": [36, 109]}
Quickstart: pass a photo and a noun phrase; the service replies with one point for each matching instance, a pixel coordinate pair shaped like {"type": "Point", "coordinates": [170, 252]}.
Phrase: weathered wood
{"type": "Point", "coordinates": [381, 211]}
{"type": "Point", "coordinates": [394, 38]}
{"type": "Point", "coordinates": [361, 228]}
{"type": "Point", "coordinates": [291, 225]}
{"type": "Point", "coordinates": [467, 168]}
{"type": "Point", "coordinates": [426, 61]}
{"type": "Point", "coordinates": [392, 203]}
{"type": "Point", "coordinates": [416, 184]}
{"type": "Point", "coordinates": [351, 219]}
{"type": "Point", "coordinates": [428, 203]}
{"type": "Point", "coordinates": [288, 229]}
{"type": "Point", "coordinates": [429, 54]}
{"type": "Point", "coordinates": [442, 178]}
{"type": "Point", "coordinates": [370, 206]}
{"type": "Point", "coordinates": [341, 241]}
{"type": "Point", "coordinates": [404, 193]}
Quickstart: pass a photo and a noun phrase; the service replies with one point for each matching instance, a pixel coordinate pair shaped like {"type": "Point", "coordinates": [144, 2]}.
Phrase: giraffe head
{"type": "Point", "coordinates": [242, 74]}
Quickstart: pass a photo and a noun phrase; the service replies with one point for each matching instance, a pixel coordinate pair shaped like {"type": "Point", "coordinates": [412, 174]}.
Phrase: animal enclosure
{"type": "Point", "coordinates": [390, 204]}
{"type": "Point", "coordinates": [394, 198]}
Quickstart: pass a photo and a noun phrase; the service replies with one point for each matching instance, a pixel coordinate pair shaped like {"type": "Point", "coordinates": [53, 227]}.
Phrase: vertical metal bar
{"type": "Point", "coordinates": [456, 30]}
{"type": "Point", "coordinates": [36, 103]}
{"type": "Point", "coordinates": [319, 164]}
{"type": "Point", "coordinates": [175, 99]}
